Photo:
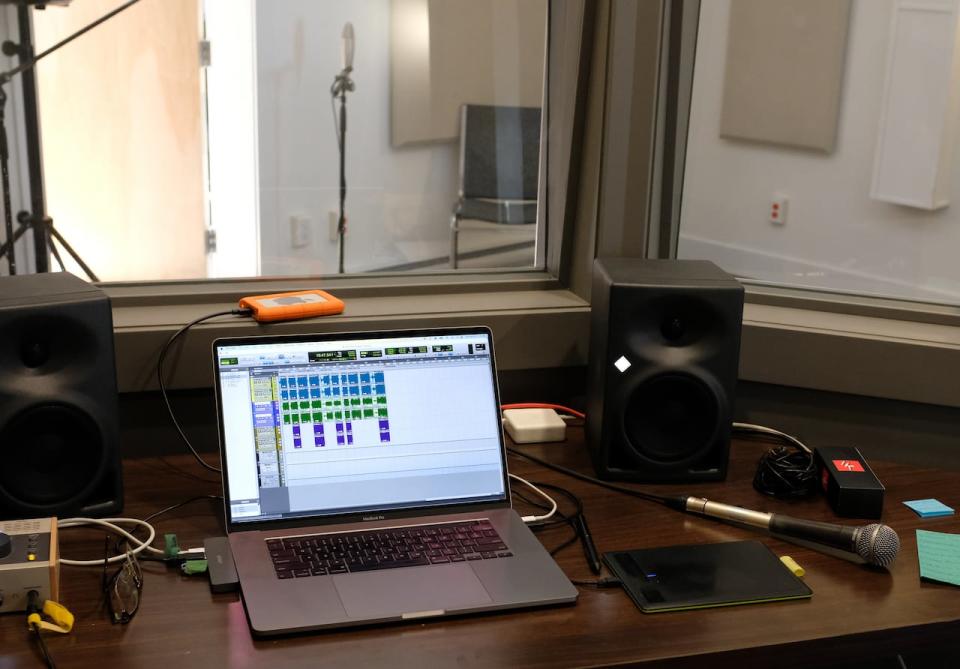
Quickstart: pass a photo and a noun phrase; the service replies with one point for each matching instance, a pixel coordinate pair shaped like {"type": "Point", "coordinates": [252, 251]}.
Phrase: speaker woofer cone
{"type": "Point", "coordinates": [53, 456]}
{"type": "Point", "coordinates": [671, 419]}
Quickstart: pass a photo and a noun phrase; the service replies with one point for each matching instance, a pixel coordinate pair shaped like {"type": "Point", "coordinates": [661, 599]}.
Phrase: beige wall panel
{"type": "Point", "coordinates": [784, 71]}
{"type": "Point", "coordinates": [449, 52]}
{"type": "Point", "coordinates": [122, 144]}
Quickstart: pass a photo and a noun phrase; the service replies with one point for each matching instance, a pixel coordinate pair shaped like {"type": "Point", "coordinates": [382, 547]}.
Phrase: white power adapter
{"type": "Point", "coordinates": [529, 426]}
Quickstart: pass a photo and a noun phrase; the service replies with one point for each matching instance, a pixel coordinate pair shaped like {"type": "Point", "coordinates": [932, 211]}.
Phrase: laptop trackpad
{"type": "Point", "coordinates": [410, 590]}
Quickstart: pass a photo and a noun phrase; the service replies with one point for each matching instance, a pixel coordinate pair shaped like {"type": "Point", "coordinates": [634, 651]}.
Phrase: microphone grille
{"type": "Point", "coordinates": [878, 544]}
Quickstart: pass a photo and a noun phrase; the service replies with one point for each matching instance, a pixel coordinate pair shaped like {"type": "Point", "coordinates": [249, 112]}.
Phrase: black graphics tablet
{"type": "Point", "coordinates": [677, 578]}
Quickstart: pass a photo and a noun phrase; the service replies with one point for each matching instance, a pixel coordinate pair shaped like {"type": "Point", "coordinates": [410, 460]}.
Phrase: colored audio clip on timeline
{"type": "Point", "coordinates": [291, 306]}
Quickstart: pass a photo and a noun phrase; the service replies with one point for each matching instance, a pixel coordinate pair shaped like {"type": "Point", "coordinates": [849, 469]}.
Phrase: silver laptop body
{"type": "Point", "coordinates": [346, 454]}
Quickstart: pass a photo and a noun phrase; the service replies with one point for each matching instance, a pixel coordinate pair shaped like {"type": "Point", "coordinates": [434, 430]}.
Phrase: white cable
{"type": "Point", "coordinates": [534, 519]}
{"type": "Point", "coordinates": [761, 429]}
{"type": "Point", "coordinates": [110, 525]}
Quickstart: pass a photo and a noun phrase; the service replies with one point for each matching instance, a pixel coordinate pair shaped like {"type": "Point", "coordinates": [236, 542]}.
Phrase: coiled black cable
{"type": "Point", "coordinates": [787, 471]}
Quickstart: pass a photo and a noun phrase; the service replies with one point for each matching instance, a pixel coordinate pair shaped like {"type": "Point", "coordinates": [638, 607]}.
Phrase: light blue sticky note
{"type": "Point", "coordinates": [939, 555]}
{"type": "Point", "coordinates": [929, 508]}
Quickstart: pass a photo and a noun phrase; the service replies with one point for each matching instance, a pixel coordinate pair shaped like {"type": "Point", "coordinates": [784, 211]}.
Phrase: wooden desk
{"type": "Point", "coordinates": [855, 614]}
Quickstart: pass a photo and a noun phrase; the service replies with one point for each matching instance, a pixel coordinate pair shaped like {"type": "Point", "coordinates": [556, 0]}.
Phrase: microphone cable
{"type": "Point", "coordinates": [163, 388]}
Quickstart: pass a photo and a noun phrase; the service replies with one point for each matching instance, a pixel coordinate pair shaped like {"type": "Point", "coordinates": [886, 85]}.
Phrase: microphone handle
{"type": "Point", "coordinates": [843, 537]}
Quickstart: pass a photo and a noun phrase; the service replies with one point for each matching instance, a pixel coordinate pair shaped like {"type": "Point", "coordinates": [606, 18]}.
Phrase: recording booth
{"type": "Point", "coordinates": [675, 386]}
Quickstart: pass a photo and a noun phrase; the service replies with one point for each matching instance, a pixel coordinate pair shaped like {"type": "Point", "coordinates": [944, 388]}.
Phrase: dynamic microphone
{"type": "Point", "coordinates": [875, 544]}
{"type": "Point", "coordinates": [346, 53]}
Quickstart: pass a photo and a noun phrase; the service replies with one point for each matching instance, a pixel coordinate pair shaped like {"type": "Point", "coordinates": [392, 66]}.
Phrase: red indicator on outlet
{"type": "Point", "coordinates": [778, 209]}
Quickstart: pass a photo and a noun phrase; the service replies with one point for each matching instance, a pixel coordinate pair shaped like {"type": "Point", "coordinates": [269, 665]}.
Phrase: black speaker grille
{"type": "Point", "coordinates": [671, 418]}
{"type": "Point", "coordinates": [53, 455]}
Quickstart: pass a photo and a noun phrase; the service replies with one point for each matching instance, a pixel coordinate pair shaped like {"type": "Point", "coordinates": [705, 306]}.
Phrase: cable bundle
{"type": "Point", "coordinates": [786, 471]}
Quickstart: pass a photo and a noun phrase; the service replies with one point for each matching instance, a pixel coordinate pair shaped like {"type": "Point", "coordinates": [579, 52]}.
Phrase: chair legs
{"type": "Point", "coordinates": [454, 232]}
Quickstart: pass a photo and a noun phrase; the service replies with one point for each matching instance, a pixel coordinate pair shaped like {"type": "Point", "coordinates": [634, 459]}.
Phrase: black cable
{"type": "Point", "coordinates": [35, 606]}
{"type": "Point", "coordinates": [144, 557]}
{"type": "Point", "coordinates": [172, 507]}
{"type": "Point", "coordinates": [564, 519]}
{"type": "Point", "coordinates": [567, 518]}
{"type": "Point", "coordinates": [43, 647]}
{"type": "Point", "coordinates": [605, 582]}
{"type": "Point", "coordinates": [537, 504]}
{"type": "Point", "coordinates": [163, 389]}
{"type": "Point", "coordinates": [569, 542]}
{"type": "Point", "coordinates": [787, 471]}
{"type": "Point", "coordinates": [674, 502]}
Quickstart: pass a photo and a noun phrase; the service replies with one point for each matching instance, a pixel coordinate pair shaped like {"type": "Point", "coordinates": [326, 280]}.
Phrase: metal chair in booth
{"type": "Point", "coordinates": [499, 161]}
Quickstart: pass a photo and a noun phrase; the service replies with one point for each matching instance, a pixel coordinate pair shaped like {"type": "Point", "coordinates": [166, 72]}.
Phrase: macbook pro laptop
{"type": "Point", "coordinates": [365, 480]}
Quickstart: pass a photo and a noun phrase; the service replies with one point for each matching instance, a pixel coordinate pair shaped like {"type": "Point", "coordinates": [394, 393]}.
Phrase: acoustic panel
{"type": "Point", "coordinates": [919, 111]}
{"type": "Point", "coordinates": [784, 71]}
{"type": "Point", "coordinates": [446, 53]}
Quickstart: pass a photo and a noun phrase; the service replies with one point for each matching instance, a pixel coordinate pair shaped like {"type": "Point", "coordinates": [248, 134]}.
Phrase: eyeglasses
{"type": "Point", "coordinates": [122, 589]}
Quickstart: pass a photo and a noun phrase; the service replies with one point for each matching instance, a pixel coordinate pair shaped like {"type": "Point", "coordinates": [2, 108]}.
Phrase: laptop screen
{"type": "Point", "coordinates": [328, 425]}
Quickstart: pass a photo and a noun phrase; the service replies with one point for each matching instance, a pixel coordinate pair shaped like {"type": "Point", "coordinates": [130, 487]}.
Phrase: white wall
{"type": "Point", "coordinates": [835, 237]}
{"type": "Point", "coordinates": [398, 199]}
{"type": "Point", "coordinates": [232, 138]}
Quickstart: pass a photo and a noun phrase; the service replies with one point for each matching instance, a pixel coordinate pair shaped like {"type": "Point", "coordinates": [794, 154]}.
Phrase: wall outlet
{"type": "Point", "coordinates": [299, 231]}
{"type": "Point", "coordinates": [778, 209]}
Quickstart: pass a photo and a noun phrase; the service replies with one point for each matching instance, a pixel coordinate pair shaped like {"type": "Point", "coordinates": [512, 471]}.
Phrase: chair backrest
{"type": "Point", "coordinates": [499, 152]}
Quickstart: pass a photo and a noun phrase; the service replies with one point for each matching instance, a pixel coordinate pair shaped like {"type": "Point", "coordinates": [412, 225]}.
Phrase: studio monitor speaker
{"type": "Point", "coordinates": [59, 451]}
{"type": "Point", "coordinates": [664, 352]}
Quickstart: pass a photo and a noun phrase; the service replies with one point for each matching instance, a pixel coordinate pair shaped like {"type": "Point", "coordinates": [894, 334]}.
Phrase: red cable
{"type": "Point", "coordinates": [537, 405]}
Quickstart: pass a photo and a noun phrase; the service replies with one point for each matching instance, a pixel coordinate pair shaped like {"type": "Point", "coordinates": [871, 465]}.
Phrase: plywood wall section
{"type": "Point", "coordinates": [120, 113]}
{"type": "Point", "coordinates": [445, 53]}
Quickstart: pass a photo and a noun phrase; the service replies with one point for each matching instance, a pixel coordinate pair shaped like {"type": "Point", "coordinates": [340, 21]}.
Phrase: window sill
{"type": "Point", "coordinates": [887, 350]}
{"type": "Point", "coordinates": [894, 358]}
{"type": "Point", "coordinates": [535, 323]}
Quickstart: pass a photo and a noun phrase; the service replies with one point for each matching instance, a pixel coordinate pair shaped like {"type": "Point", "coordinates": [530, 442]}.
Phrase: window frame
{"type": "Point", "coordinates": [519, 306]}
{"type": "Point", "coordinates": [815, 339]}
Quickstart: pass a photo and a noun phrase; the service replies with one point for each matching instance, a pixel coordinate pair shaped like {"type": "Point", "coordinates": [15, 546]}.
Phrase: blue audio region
{"type": "Point", "coordinates": [310, 403]}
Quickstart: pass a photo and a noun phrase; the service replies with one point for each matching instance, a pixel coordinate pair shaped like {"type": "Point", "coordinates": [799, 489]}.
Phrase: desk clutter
{"type": "Point", "coordinates": [653, 528]}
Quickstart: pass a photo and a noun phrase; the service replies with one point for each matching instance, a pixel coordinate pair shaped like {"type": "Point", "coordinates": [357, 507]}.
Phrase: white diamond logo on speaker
{"type": "Point", "coordinates": [622, 364]}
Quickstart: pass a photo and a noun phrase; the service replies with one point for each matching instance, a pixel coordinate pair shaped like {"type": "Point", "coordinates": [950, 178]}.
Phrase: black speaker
{"type": "Point", "coordinates": [59, 450]}
{"type": "Point", "coordinates": [664, 352]}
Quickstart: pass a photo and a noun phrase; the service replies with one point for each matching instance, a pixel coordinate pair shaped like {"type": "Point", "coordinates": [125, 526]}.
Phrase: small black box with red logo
{"type": "Point", "coordinates": [851, 487]}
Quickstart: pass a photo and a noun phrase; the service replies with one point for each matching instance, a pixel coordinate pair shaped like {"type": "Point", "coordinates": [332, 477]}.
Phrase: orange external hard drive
{"type": "Point", "coordinates": [290, 306]}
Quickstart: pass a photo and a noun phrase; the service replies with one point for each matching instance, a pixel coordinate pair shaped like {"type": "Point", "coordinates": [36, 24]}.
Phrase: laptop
{"type": "Point", "coordinates": [365, 481]}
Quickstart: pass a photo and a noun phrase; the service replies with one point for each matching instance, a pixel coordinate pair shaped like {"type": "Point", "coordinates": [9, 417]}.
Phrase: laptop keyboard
{"type": "Point", "coordinates": [321, 554]}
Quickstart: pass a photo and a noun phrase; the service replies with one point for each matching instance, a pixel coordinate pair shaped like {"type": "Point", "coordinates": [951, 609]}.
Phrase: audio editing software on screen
{"type": "Point", "coordinates": [313, 428]}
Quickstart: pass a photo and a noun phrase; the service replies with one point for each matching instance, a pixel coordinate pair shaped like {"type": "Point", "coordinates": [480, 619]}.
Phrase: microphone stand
{"type": "Point", "coordinates": [341, 84]}
{"type": "Point", "coordinates": [42, 225]}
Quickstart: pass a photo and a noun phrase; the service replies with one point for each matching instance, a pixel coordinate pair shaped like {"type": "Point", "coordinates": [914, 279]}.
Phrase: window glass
{"type": "Point", "coordinates": [821, 146]}
{"type": "Point", "coordinates": [201, 138]}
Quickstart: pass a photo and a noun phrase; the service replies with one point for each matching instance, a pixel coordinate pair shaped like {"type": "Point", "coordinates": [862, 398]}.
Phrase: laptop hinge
{"type": "Point", "coordinates": [422, 614]}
